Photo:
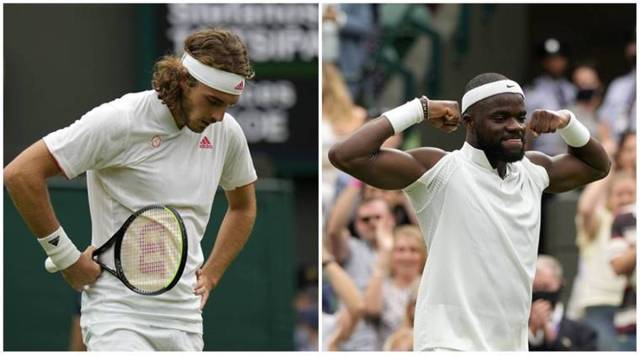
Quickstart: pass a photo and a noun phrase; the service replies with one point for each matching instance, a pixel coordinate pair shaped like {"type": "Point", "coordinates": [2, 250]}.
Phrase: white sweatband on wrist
{"type": "Point", "coordinates": [405, 116]}
{"type": "Point", "coordinates": [221, 80]}
{"type": "Point", "coordinates": [490, 89]}
{"type": "Point", "coordinates": [575, 134]}
{"type": "Point", "coordinates": [60, 249]}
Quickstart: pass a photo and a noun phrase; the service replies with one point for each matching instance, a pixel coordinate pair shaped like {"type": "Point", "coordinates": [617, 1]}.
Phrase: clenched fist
{"type": "Point", "coordinates": [546, 121]}
{"type": "Point", "coordinates": [443, 115]}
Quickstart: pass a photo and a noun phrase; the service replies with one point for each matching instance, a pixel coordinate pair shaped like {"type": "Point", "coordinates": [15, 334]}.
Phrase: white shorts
{"type": "Point", "coordinates": [114, 337]}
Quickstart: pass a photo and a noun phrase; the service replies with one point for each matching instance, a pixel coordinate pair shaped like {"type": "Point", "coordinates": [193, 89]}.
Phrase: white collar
{"type": "Point", "coordinates": [479, 158]}
{"type": "Point", "coordinates": [476, 156]}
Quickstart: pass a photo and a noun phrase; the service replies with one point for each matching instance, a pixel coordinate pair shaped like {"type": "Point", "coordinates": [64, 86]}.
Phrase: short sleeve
{"type": "Point", "coordinates": [95, 141]}
{"type": "Point", "coordinates": [238, 167]}
{"type": "Point", "coordinates": [422, 190]}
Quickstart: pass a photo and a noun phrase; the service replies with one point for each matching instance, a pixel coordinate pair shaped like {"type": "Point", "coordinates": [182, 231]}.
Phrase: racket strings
{"type": "Point", "coordinates": [151, 250]}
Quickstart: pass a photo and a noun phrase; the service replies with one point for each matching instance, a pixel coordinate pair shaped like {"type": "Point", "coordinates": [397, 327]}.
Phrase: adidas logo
{"type": "Point", "coordinates": [205, 143]}
{"type": "Point", "coordinates": [240, 85]}
{"type": "Point", "coordinates": [54, 241]}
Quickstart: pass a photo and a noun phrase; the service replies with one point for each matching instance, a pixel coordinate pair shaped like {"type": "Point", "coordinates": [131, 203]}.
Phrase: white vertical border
{"type": "Point", "coordinates": [2, 193]}
{"type": "Point", "coordinates": [320, 211]}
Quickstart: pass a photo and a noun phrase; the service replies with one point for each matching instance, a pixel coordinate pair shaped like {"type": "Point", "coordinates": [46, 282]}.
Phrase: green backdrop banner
{"type": "Point", "coordinates": [251, 309]}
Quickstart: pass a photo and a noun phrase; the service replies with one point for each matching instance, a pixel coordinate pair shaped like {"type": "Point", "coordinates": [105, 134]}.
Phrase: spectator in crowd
{"type": "Point", "coordinates": [331, 17]}
{"type": "Point", "coordinates": [357, 24]}
{"type": "Point", "coordinates": [549, 329]}
{"type": "Point", "coordinates": [618, 111]}
{"type": "Point", "coordinates": [401, 258]}
{"type": "Point", "coordinates": [588, 97]}
{"type": "Point", "coordinates": [400, 206]}
{"type": "Point", "coordinates": [339, 325]}
{"type": "Point", "coordinates": [357, 254]}
{"type": "Point", "coordinates": [402, 338]}
{"type": "Point", "coordinates": [597, 290]}
{"type": "Point", "coordinates": [623, 261]}
{"type": "Point", "coordinates": [625, 155]}
{"type": "Point", "coordinates": [550, 91]}
{"type": "Point", "coordinates": [346, 29]}
{"type": "Point", "coordinates": [340, 117]}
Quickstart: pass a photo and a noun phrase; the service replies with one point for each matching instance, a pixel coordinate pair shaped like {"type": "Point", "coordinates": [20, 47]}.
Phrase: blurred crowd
{"type": "Point", "coordinates": [601, 309]}
{"type": "Point", "coordinates": [373, 251]}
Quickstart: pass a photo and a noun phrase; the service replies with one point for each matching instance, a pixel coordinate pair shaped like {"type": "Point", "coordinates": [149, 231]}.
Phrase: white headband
{"type": "Point", "coordinates": [487, 90]}
{"type": "Point", "coordinates": [215, 78]}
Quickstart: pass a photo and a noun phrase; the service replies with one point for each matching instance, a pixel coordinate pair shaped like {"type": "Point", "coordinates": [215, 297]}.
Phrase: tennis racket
{"type": "Point", "coordinates": [150, 251]}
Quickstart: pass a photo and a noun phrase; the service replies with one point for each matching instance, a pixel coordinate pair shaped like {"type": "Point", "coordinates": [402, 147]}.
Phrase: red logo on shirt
{"type": "Point", "coordinates": [240, 85]}
{"type": "Point", "coordinates": [156, 141]}
{"type": "Point", "coordinates": [205, 143]}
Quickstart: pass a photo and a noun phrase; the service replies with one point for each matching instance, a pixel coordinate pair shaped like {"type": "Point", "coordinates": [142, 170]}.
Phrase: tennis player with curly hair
{"type": "Point", "coordinates": [173, 145]}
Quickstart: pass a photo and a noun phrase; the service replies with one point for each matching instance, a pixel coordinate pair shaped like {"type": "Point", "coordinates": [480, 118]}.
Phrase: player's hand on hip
{"type": "Point", "coordinates": [83, 272]}
{"type": "Point", "coordinates": [547, 121]}
{"type": "Point", "coordinates": [443, 115]}
{"type": "Point", "coordinates": [203, 288]}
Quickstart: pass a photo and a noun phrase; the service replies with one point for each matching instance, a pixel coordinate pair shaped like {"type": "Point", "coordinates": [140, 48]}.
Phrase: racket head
{"type": "Point", "coordinates": [151, 253]}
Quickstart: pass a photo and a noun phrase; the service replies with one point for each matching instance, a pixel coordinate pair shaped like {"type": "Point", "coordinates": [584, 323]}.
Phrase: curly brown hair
{"type": "Point", "coordinates": [215, 47]}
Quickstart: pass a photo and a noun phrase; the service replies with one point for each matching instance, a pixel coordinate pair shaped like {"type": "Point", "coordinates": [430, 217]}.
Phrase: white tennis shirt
{"type": "Point", "coordinates": [134, 156]}
{"type": "Point", "coordinates": [482, 235]}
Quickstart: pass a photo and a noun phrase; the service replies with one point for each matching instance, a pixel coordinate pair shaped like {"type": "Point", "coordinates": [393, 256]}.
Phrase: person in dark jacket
{"type": "Point", "coordinates": [549, 328]}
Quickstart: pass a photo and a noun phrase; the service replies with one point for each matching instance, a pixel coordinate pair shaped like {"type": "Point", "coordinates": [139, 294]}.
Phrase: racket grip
{"type": "Point", "coordinates": [50, 266]}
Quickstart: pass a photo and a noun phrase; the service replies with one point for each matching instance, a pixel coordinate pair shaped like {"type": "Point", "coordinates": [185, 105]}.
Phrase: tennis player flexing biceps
{"type": "Point", "coordinates": [478, 207]}
{"type": "Point", "coordinates": [173, 146]}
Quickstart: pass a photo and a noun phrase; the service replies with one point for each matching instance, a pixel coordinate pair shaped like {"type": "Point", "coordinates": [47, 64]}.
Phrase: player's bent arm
{"type": "Point", "coordinates": [578, 167]}
{"type": "Point", "coordinates": [361, 156]}
{"type": "Point", "coordinates": [233, 233]}
{"type": "Point", "coordinates": [25, 179]}
{"type": "Point", "coordinates": [586, 160]}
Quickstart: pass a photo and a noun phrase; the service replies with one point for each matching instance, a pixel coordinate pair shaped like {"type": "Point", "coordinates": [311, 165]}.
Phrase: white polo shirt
{"type": "Point", "coordinates": [482, 235]}
{"type": "Point", "coordinates": [134, 156]}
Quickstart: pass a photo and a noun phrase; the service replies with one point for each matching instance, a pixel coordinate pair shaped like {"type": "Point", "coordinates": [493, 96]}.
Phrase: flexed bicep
{"type": "Point", "coordinates": [576, 168]}
{"type": "Point", "coordinates": [361, 156]}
